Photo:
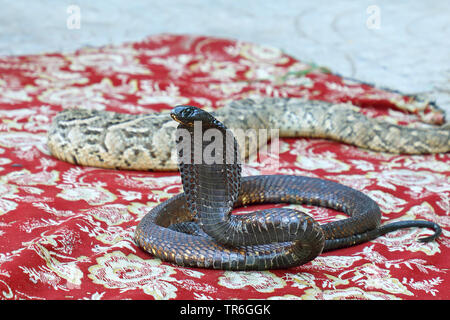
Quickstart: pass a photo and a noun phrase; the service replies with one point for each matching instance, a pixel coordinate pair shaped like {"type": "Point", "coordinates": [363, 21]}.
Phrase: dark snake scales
{"type": "Point", "coordinates": [197, 229]}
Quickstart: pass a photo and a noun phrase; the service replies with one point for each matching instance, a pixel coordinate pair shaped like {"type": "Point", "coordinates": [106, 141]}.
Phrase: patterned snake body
{"type": "Point", "coordinates": [147, 142]}
{"type": "Point", "coordinates": [197, 229]}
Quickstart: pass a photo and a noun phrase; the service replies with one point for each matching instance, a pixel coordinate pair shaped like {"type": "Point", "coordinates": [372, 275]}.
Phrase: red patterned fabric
{"type": "Point", "coordinates": [66, 232]}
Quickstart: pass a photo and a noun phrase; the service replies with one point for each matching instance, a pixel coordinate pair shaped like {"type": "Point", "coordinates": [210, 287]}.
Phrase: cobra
{"type": "Point", "coordinates": [198, 229]}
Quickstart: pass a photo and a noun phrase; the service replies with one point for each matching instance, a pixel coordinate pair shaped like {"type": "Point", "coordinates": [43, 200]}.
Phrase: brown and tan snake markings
{"type": "Point", "coordinates": [147, 142]}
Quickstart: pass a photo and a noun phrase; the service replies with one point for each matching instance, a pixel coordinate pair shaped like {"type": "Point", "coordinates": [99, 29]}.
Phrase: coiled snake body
{"type": "Point", "coordinates": [196, 228]}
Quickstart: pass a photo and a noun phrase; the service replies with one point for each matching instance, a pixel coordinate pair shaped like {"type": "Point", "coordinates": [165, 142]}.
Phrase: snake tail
{"type": "Point", "coordinates": [370, 235]}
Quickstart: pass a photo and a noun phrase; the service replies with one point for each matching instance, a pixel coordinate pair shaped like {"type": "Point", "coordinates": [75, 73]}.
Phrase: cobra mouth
{"type": "Point", "coordinates": [185, 123]}
{"type": "Point", "coordinates": [174, 117]}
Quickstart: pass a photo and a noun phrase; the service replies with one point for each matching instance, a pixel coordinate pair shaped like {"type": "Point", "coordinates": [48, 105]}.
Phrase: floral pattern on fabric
{"type": "Point", "coordinates": [66, 232]}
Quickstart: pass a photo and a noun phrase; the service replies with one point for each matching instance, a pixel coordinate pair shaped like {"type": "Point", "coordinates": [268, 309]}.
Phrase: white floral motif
{"type": "Point", "coordinates": [12, 92]}
{"type": "Point", "coordinates": [218, 70]}
{"type": "Point", "coordinates": [353, 293]}
{"type": "Point", "coordinates": [115, 270]}
{"type": "Point", "coordinates": [426, 162]}
{"type": "Point", "coordinates": [7, 191]}
{"type": "Point", "coordinates": [263, 281]}
{"type": "Point", "coordinates": [444, 203]}
{"type": "Point", "coordinates": [332, 263]}
{"type": "Point", "coordinates": [377, 258]}
{"type": "Point", "coordinates": [425, 285]}
{"type": "Point", "coordinates": [86, 97]}
{"type": "Point", "coordinates": [130, 195]}
{"type": "Point", "coordinates": [155, 182]}
{"type": "Point", "coordinates": [176, 64]}
{"type": "Point", "coordinates": [426, 211]}
{"type": "Point", "coordinates": [416, 181]}
{"type": "Point", "coordinates": [55, 270]}
{"type": "Point", "coordinates": [387, 202]}
{"type": "Point", "coordinates": [113, 214]}
{"type": "Point", "coordinates": [4, 161]}
{"type": "Point", "coordinates": [26, 145]}
{"type": "Point", "coordinates": [301, 280]}
{"type": "Point", "coordinates": [307, 159]}
{"type": "Point", "coordinates": [92, 195]}
{"type": "Point", "coordinates": [141, 209]}
{"type": "Point", "coordinates": [261, 54]}
{"type": "Point", "coordinates": [192, 285]}
{"type": "Point", "coordinates": [363, 165]}
{"type": "Point", "coordinates": [151, 93]}
{"type": "Point", "coordinates": [95, 96]}
{"type": "Point", "coordinates": [355, 181]}
{"type": "Point", "coordinates": [109, 61]}
{"type": "Point", "coordinates": [373, 277]}
{"type": "Point", "coordinates": [324, 163]}
{"type": "Point", "coordinates": [351, 91]}
{"type": "Point", "coordinates": [25, 177]}
{"type": "Point", "coordinates": [44, 275]}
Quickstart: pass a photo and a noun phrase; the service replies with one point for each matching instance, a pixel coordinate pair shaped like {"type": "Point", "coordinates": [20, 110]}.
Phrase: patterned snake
{"type": "Point", "coordinates": [196, 228]}
{"type": "Point", "coordinates": [147, 142]}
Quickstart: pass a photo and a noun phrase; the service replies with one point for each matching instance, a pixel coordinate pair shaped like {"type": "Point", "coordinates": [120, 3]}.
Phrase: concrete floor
{"type": "Point", "coordinates": [403, 45]}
